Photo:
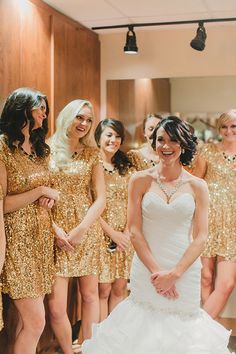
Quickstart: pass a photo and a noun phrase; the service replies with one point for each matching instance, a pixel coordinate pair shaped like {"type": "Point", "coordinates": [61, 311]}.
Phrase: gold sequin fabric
{"type": "Point", "coordinates": [75, 184]}
{"type": "Point", "coordinates": [1, 320]}
{"type": "Point", "coordinates": [117, 264]}
{"type": "Point", "coordinates": [221, 180]}
{"type": "Point", "coordinates": [29, 264]}
{"type": "Point", "coordinates": [139, 161]}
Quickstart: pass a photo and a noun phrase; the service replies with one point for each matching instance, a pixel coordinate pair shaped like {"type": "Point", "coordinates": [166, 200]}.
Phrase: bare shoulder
{"type": "Point", "coordinates": [142, 179]}
{"type": "Point", "coordinates": [198, 184]}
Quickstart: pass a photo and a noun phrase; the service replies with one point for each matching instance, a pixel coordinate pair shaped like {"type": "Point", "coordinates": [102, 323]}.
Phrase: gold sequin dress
{"type": "Point", "coordinates": [139, 161]}
{"type": "Point", "coordinates": [28, 270]}
{"type": "Point", "coordinates": [221, 180]}
{"type": "Point", "coordinates": [1, 320]}
{"type": "Point", "coordinates": [75, 184]}
{"type": "Point", "coordinates": [117, 264]}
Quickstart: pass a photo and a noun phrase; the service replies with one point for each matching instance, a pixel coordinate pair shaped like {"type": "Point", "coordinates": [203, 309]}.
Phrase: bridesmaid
{"type": "Point", "coordinates": [2, 248]}
{"type": "Point", "coordinates": [29, 264]}
{"type": "Point", "coordinates": [216, 163]}
{"type": "Point", "coordinates": [145, 157]}
{"type": "Point", "coordinates": [115, 262]}
{"type": "Point", "coordinates": [76, 171]}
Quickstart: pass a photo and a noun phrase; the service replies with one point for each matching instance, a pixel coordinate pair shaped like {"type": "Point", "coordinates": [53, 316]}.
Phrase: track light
{"type": "Point", "coordinates": [198, 42]}
{"type": "Point", "coordinates": [130, 45]}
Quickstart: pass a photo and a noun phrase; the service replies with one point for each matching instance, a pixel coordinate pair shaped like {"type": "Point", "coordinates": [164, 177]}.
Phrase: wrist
{"type": "Point", "coordinates": [176, 273]}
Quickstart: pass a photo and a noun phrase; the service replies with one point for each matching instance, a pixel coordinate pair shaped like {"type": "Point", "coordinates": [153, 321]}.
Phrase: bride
{"type": "Point", "coordinates": [167, 220]}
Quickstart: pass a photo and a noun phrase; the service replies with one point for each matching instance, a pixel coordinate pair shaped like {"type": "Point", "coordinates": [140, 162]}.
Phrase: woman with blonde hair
{"type": "Point", "coordinates": [216, 163]}
{"type": "Point", "coordinates": [76, 172]}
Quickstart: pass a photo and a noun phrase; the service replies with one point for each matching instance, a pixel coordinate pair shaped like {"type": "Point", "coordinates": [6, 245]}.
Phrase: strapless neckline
{"type": "Point", "coordinates": [185, 194]}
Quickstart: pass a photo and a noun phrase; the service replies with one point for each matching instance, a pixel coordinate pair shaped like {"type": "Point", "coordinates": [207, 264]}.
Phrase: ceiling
{"type": "Point", "coordinates": [93, 13]}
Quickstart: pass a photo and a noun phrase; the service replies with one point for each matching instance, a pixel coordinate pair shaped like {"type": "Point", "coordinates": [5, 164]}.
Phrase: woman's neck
{"type": "Point", "coordinates": [229, 146]}
{"type": "Point", "coordinates": [148, 152]}
{"type": "Point", "coordinates": [106, 157]}
{"type": "Point", "coordinates": [75, 145]}
{"type": "Point", "coordinates": [169, 172]}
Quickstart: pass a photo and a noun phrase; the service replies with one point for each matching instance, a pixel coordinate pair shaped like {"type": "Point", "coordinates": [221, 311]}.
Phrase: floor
{"type": "Point", "coordinates": [232, 346]}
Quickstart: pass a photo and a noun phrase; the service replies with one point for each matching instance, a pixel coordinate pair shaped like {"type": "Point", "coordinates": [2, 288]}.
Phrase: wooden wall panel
{"type": "Point", "coordinates": [76, 65]}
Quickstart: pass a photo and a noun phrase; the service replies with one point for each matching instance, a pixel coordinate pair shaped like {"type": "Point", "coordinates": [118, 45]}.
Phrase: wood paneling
{"type": "Point", "coordinates": [43, 49]}
{"type": "Point", "coordinates": [131, 100]}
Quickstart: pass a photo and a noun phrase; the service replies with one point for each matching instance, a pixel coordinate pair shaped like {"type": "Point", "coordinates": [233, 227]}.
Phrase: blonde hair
{"type": "Point", "coordinates": [224, 117]}
{"type": "Point", "coordinates": [59, 142]}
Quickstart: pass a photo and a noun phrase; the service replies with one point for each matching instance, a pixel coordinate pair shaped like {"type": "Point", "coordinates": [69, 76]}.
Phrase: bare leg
{"type": "Point", "coordinates": [207, 277]}
{"type": "Point", "coordinates": [104, 293]}
{"type": "Point", "coordinates": [118, 293]}
{"type": "Point", "coordinates": [32, 317]}
{"type": "Point", "coordinates": [90, 303]}
{"type": "Point", "coordinates": [224, 285]}
{"type": "Point", "coordinates": [60, 323]}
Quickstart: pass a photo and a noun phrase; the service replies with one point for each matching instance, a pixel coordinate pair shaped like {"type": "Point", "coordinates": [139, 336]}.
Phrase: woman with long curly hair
{"type": "Point", "coordinates": [29, 265]}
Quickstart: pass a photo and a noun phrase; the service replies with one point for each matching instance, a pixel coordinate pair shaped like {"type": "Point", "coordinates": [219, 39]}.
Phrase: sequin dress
{"type": "Point", "coordinates": [117, 264]}
{"type": "Point", "coordinates": [221, 180]}
{"type": "Point", "coordinates": [139, 161]}
{"type": "Point", "coordinates": [1, 320]}
{"type": "Point", "coordinates": [28, 271]}
{"type": "Point", "coordinates": [75, 184]}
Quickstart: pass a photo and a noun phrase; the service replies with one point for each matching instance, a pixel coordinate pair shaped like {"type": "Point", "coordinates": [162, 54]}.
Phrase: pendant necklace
{"type": "Point", "coordinates": [229, 158]}
{"type": "Point", "coordinates": [169, 192]}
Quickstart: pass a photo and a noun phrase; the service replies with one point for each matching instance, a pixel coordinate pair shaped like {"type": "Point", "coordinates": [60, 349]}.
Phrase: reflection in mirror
{"type": "Point", "coordinates": [199, 100]}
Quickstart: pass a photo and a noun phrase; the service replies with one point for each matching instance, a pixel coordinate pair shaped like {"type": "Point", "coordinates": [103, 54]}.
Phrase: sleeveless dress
{"type": "Point", "coordinates": [148, 323]}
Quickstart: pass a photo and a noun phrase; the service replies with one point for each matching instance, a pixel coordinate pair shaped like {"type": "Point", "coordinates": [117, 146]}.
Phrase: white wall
{"type": "Point", "coordinates": [167, 53]}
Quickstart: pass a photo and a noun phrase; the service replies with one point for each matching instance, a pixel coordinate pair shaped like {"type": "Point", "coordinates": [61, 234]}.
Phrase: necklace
{"type": "Point", "coordinates": [31, 156]}
{"type": "Point", "coordinates": [109, 171]}
{"type": "Point", "coordinates": [77, 153]}
{"type": "Point", "coordinates": [169, 192]}
{"type": "Point", "coordinates": [229, 158]}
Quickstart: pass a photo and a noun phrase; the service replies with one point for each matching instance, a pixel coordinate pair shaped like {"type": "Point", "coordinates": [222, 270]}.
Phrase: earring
{"type": "Point", "coordinates": [182, 151]}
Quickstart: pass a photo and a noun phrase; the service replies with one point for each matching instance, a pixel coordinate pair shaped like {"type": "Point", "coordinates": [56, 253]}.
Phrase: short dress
{"type": "Point", "coordinates": [117, 264]}
{"type": "Point", "coordinates": [139, 161]}
{"type": "Point", "coordinates": [75, 184]}
{"type": "Point", "coordinates": [221, 179]}
{"type": "Point", "coordinates": [1, 320]}
{"type": "Point", "coordinates": [28, 270]}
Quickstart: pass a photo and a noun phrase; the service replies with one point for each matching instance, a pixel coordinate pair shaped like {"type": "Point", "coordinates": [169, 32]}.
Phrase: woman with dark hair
{"type": "Point", "coordinates": [167, 220]}
{"type": "Point", "coordinates": [145, 157]}
{"type": "Point", "coordinates": [2, 249]}
{"type": "Point", "coordinates": [29, 265]}
{"type": "Point", "coordinates": [216, 163]}
{"type": "Point", "coordinates": [116, 254]}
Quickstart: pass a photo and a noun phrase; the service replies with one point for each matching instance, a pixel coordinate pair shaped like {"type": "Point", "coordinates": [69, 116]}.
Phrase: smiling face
{"type": "Point", "coordinates": [150, 125]}
{"type": "Point", "coordinates": [110, 141]}
{"type": "Point", "coordinates": [81, 124]}
{"type": "Point", "coordinates": [228, 130]}
{"type": "Point", "coordinates": [167, 148]}
{"type": "Point", "coordinates": [39, 113]}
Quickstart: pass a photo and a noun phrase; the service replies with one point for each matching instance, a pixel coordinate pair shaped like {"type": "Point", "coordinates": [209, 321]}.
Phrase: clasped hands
{"type": "Point", "coordinates": [164, 283]}
{"type": "Point", "coordinates": [67, 242]}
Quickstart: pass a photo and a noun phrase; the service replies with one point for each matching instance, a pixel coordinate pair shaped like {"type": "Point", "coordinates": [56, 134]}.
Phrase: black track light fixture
{"type": "Point", "coordinates": [130, 45]}
{"type": "Point", "coordinates": [199, 40]}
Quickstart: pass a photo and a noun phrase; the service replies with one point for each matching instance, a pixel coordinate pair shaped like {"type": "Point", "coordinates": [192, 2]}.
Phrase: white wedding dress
{"type": "Point", "coordinates": [148, 323]}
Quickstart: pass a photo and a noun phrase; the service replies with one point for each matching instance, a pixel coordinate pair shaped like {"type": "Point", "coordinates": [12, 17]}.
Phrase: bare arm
{"type": "Point", "coordinates": [96, 208]}
{"type": "Point", "coordinates": [137, 186]}
{"type": "Point", "coordinates": [200, 167]}
{"type": "Point", "coordinates": [21, 200]}
{"type": "Point", "coordinates": [200, 229]}
{"type": "Point", "coordinates": [2, 237]}
{"type": "Point", "coordinates": [122, 239]}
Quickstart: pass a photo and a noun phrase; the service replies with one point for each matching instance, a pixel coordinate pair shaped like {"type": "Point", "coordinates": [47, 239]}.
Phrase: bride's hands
{"type": "Point", "coordinates": [164, 283]}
